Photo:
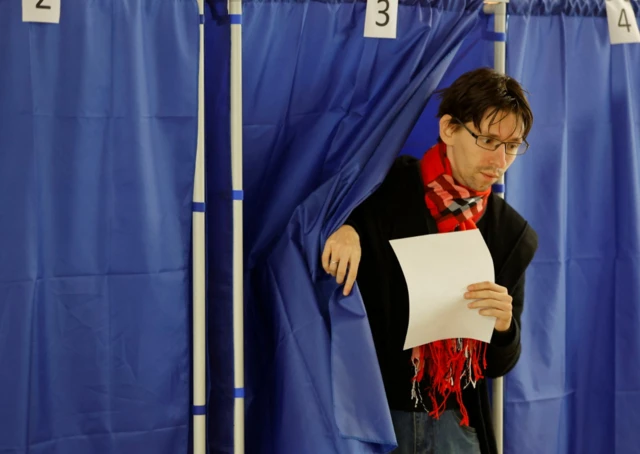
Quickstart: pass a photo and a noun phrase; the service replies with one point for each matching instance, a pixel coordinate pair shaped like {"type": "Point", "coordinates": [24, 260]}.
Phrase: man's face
{"type": "Point", "coordinates": [472, 165]}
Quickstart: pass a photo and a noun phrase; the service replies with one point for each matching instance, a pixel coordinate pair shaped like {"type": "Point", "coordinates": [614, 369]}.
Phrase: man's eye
{"type": "Point", "coordinates": [488, 141]}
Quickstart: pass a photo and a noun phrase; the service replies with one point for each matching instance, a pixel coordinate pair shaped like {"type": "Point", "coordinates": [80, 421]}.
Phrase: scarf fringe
{"type": "Point", "coordinates": [452, 364]}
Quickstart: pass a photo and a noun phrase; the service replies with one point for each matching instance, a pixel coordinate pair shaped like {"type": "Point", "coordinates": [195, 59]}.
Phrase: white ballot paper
{"type": "Point", "coordinates": [438, 268]}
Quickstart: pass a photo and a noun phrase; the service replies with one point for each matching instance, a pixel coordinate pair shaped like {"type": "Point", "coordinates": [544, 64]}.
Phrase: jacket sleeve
{"type": "Point", "coordinates": [504, 350]}
{"type": "Point", "coordinates": [374, 215]}
{"type": "Point", "coordinates": [369, 215]}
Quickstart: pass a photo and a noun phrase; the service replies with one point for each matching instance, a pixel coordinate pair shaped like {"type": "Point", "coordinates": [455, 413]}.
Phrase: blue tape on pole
{"type": "Point", "coordinates": [199, 410]}
{"type": "Point", "coordinates": [498, 187]}
{"type": "Point", "coordinates": [494, 36]}
{"type": "Point", "coordinates": [238, 393]}
{"type": "Point", "coordinates": [198, 207]}
{"type": "Point", "coordinates": [202, 18]}
{"type": "Point", "coordinates": [238, 195]}
{"type": "Point", "coordinates": [236, 18]}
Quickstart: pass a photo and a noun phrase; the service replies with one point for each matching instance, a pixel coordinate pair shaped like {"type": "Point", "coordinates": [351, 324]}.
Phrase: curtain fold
{"type": "Point", "coordinates": [98, 122]}
{"type": "Point", "coordinates": [577, 386]}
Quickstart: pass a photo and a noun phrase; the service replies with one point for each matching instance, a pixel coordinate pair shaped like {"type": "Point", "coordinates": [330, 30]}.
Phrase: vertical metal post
{"type": "Point", "coordinates": [199, 267]}
{"type": "Point", "coordinates": [235, 12]}
{"type": "Point", "coordinates": [499, 10]}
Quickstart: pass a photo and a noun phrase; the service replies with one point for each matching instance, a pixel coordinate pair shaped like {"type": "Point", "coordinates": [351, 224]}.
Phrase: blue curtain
{"type": "Point", "coordinates": [98, 122]}
{"type": "Point", "coordinates": [577, 387]}
{"type": "Point", "coordinates": [219, 229]}
{"type": "Point", "coordinates": [476, 51]}
{"type": "Point", "coordinates": [325, 113]}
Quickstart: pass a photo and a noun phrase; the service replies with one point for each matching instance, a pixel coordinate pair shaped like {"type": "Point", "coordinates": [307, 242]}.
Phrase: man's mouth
{"type": "Point", "coordinates": [490, 176]}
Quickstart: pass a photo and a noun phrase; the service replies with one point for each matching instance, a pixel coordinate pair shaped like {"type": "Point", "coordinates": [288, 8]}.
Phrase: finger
{"type": "Point", "coordinates": [342, 271]}
{"type": "Point", "coordinates": [491, 303]}
{"type": "Point", "coordinates": [326, 256]}
{"type": "Point", "coordinates": [488, 285]}
{"type": "Point", "coordinates": [353, 273]}
{"type": "Point", "coordinates": [495, 313]}
{"type": "Point", "coordinates": [333, 265]}
{"type": "Point", "coordinates": [480, 294]}
{"type": "Point", "coordinates": [487, 294]}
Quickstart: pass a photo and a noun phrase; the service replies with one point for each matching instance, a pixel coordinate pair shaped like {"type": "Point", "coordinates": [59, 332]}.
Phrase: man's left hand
{"type": "Point", "coordinates": [494, 300]}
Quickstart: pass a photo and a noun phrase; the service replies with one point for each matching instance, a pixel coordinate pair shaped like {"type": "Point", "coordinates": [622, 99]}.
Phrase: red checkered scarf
{"type": "Point", "coordinates": [452, 364]}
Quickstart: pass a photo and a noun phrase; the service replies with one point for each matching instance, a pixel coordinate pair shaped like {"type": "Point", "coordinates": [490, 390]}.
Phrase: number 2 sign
{"type": "Point", "coordinates": [381, 19]}
{"type": "Point", "coordinates": [47, 11]}
{"type": "Point", "coordinates": [623, 27]}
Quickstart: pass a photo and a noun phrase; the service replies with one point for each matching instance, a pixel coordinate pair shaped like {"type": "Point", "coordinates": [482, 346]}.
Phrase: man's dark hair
{"type": "Point", "coordinates": [485, 92]}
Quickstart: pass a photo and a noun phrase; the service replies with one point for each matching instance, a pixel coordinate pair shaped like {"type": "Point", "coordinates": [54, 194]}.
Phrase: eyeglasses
{"type": "Point", "coordinates": [492, 144]}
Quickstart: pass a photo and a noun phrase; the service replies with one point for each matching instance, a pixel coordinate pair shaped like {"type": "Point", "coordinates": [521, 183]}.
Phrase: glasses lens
{"type": "Point", "coordinates": [491, 143]}
{"type": "Point", "coordinates": [488, 143]}
{"type": "Point", "coordinates": [516, 148]}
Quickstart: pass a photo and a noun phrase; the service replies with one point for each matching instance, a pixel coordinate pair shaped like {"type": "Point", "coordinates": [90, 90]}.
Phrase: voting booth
{"type": "Point", "coordinates": [169, 171]}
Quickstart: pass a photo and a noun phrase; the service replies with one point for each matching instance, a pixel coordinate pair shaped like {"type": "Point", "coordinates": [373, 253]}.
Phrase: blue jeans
{"type": "Point", "coordinates": [417, 433]}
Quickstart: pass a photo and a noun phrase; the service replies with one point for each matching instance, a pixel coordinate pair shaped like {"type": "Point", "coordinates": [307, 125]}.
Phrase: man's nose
{"type": "Point", "coordinates": [500, 157]}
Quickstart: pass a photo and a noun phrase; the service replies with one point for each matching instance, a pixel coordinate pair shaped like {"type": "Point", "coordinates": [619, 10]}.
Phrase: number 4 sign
{"type": "Point", "coordinates": [381, 19]}
{"type": "Point", "coordinates": [623, 27]}
{"type": "Point", "coordinates": [47, 11]}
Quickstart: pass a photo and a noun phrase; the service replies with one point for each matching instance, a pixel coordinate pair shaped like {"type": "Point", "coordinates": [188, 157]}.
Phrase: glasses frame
{"type": "Point", "coordinates": [501, 143]}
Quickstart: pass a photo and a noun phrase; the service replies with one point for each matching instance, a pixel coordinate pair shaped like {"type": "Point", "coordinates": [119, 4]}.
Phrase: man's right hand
{"type": "Point", "coordinates": [341, 255]}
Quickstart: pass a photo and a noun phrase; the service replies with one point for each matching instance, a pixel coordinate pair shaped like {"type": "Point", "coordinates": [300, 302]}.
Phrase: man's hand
{"type": "Point", "coordinates": [342, 252]}
{"type": "Point", "coordinates": [494, 300]}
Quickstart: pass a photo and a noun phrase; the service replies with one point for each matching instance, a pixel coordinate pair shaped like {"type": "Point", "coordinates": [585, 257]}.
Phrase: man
{"type": "Point", "coordinates": [437, 393]}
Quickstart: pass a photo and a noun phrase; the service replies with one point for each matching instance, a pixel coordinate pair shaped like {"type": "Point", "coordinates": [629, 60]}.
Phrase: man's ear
{"type": "Point", "coordinates": [447, 128]}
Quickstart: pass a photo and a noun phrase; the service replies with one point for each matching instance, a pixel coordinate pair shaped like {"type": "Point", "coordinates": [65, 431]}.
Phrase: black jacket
{"type": "Point", "coordinates": [397, 210]}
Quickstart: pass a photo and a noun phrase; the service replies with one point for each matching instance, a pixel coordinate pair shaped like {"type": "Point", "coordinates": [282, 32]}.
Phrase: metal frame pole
{"type": "Point", "coordinates": [199, 269]}
{"type": "Point", "coordinates": [235, 13]}
{"type": "Point", "coordinates": [499, 10]}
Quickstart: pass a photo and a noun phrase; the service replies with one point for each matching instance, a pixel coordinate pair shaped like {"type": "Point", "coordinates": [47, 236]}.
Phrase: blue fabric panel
{"type": "Point", "coordinates": [98, 119]}
{"type": "Point", "coordinates": [219, 230]}
{"type": "Point", "coordinates": [577, 387]}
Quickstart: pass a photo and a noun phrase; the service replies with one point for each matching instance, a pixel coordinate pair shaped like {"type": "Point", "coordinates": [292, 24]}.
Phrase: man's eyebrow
{"type": "Point", "coordinates": [494, 136]}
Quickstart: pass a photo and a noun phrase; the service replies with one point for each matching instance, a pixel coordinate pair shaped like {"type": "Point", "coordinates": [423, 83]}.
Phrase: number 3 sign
{"type": "Point", "coordinates": [47, 11]}
{"type": "Point", "coordinates": [381, 19]}
{"type": "Point", "coordinates": [623, 27]}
